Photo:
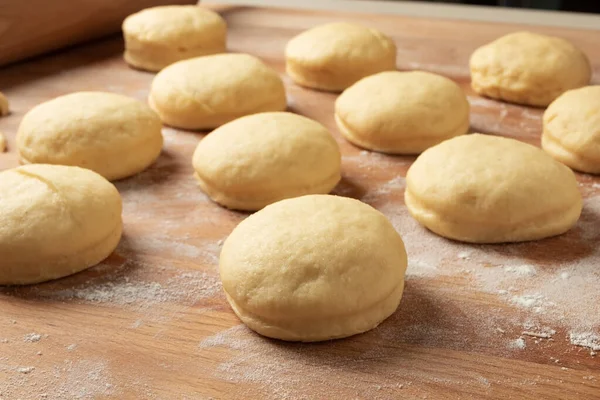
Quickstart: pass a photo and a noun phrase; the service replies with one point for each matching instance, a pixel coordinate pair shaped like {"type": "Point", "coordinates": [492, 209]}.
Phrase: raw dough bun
{"type": "Point", "coordinates": [572, 129]}
{"type": "Point", "coordinates": [487, 189]}
{"type": "Point", "coordinates": [113, 135]}
{"type": "Point", "coordinates": [55, 221]}
{"type": "Point", "coordinates": [528, 68]}
{"type": "Point", "coordinates": [205, 92]}
{"type": "Point", "coordinates": [402, 112]}
{"type": "Point", "coordinates": [159, 36]}
{"type": "Point", "coordinates": [334, 56]}
{"type": "Point", "coordinates": [4, 109]}
{"type": "Point", "coordinates": [313, 268]}
{"type": "Point", "coordinates": [263, 158]}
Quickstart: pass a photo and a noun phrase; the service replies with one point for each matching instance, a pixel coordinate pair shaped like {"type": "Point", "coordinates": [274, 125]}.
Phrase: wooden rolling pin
{"type": "Point", "coordinates": [32, 27]}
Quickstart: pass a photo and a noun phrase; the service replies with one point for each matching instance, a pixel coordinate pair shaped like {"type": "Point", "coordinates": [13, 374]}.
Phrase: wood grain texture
{"type": "Point", "coordinates": [32, 27]}
{"type": "Point", "coordinates": [151, 321]}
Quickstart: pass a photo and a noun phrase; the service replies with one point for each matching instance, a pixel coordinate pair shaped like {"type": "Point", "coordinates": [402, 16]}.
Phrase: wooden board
{"type": "Point", "coordinates": [151, 321]}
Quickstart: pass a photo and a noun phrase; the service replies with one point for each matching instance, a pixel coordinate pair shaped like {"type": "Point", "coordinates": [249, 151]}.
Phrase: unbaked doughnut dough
{"type": "Point", "coordinates": [402, 112]}
{"type": "Point", "coordinates": [313, 268]}
{"type": "Point", "coordinates": [4, 109]}
{"type": "Point", "coordinates": [159, 36]}
{"type": "Point", "coordinates": [334, 56]}
{"type": "Point", "coordinates": [205, 92]}
{"type": "Point", "coordinates": [55, 221]}
{"type": "Point", "coordinates": [262, 158]}
{"type": "Point", "coordinates": [114, 135]}
{"type": "Point", "coordinates": [572, 129]}
{"type": "Point", "coordinates": [528, 68]}
{"type": "Point", "coordinates": [488, 189]}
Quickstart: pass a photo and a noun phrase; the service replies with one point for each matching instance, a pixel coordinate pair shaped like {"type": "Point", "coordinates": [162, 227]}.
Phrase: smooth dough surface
{"type": "Point", "coordinates": [572, 129]}
{"type": "Point", "coordinates": [159, 36]}
{"type": "Point", "coordinates": [528, 68]}
{"type": "Point", "coordinates": [402, 112]}
{"type": "Point", "coordinates": [239, 85]}
{"type": "Point", "coordinates": [113, 135]}
{"type": "Point", "coordinates": [259, 159]}
{"type": "Point", "coordinates": [55, 221]}
{"type": "Point", "coordinates": [313, 268]}
{"type": "Point", "coordinates": [488, 189]}
{"type": "Point", "coordinates": [334, 56]}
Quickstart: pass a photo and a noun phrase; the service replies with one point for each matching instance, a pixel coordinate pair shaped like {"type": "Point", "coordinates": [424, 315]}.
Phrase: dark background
{"type": "Point", "coordinates": [588, 6]}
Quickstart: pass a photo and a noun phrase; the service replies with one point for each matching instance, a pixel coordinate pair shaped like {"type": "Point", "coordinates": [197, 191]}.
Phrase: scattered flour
{"type": "Point", "coordinates": [518, 343]}
{"type": "Point", "coordinates": [25, 370]}
{"type": "Point", "coordinates": [521, 270]}
{"type": "Point", "coordinates": [32, 337]}
{"type": "Point", "coordinates": [590, 340]}
{"type": "Point", "coordinates": [71, 347]}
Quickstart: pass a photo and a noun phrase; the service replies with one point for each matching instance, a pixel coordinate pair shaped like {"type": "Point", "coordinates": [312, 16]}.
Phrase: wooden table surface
{"type": "Point", "coordinates": [517, 321]}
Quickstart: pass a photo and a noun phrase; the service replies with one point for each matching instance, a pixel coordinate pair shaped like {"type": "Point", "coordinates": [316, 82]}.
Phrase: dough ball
{"type": "Point", "coordinates": [488, 189]}
{"type": "Point", "coordinates": [334, 56]}
{"type": "Point", "coordinates": [159, 36]}
{"type": "Point", "coordinates": [113, 135]}
{"type": "Point", "coordinates": [313, 268]}
{"type": "Point", "coordinates": [402, 112]}
{"type": "Point", "coordinates": [205, 92]}
{"type": "Point", "coordinates": [528, 68]}
{"type": "Point", "coordinates": [572, 129]}
{"type": "Point", "coordinates": [263, 158]}
{"type": "Point", "coordinates": [4, 109]}
{"type": "Point", "coordinates": [55, 221]}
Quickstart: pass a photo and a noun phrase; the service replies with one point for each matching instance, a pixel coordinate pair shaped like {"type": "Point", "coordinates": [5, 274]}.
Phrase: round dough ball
{"type": "Point", "coordinates": [206, 92]}
{"type": "Point", "coordinates": [572, 129]}
{"type": "Point", "coordinates": [263, 158]}
{"type": "Point", "coordinates": [402, 112]}
{"type": "Point", "coordinates": [528, 68]}
{"type": "Point", "coordinates": [334, 56]}
{"type": "Point", "coordinates": [113, 135]}
{"type": "Point", "coordinates": [487, 189]}
{"type": "Point", "coordinates": [313, 268]}
{"type": "Point", "coordinates": [159, 36]}
{"type": "Point", "coordinates": [55, 221]}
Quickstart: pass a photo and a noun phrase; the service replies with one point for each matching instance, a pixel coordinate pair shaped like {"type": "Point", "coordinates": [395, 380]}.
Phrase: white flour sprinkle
{"type": "Point", "coordinates": [590, 340]}
{"type": "Point", "coordinates": [32, 337]}
{"type": "Point", "coordinates": [71, 347]}
{"type": "Point", "coordinates": [521, 270]}
{"type": "Point", "coordinates": [518, 343]}
{"type": "Point", "coordinates": [25, 370]}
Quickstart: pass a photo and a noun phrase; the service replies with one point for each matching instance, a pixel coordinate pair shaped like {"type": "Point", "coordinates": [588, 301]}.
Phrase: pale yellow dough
{"type": "Point", "coordinates": [313, 268]}
{"type": "Point", "coordinates": [114, 135]}
{"type": "Point", "coordinates": [206, 92]}
{"type": "Point", "coordinates": [259, 159]}
{"type": "Point", "coordinates": [402, 112]}
{"type": "Point", "coordinates": [159, 36]}
{"type": "Point", "coordinates": [487, 189]}
{"type": "Point", "coordinates": [4, 108]}
{"type": "Point", "coordinates": [55, 221]}
{"type": "Point", "coordinates": [334, 56]}
{"type": "Point", "coordinates": [572, 129]}
{"type": "Point", "coordinates": [528, 68]}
